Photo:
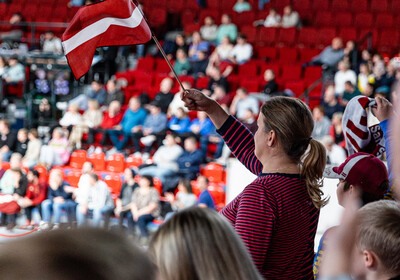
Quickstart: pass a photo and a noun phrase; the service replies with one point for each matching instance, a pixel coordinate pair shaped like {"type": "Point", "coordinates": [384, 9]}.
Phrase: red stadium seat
{"type": "Point", "coordinates": [268, 53]}
{"type": "Point", "coordinates": [344, 19]}
{"type": "Point", "coordinates": [157, 185]}
{"type": "Point", "coordinates": [214, 172]}
{"type": "Point", "coordinates": [162, 66]}
{"type": "Point", "coordinates": [287, 36]}
{"type": "Point", "coordinates": [395, 5]}
{"type": "Point", "coordinates": [325, 36]}
{"type": "Point", "coordinates": [157, 17]}
{"type": "Point", "coordinates": [388, 40]}
{"type": "Point", "coordinates": [146, 64]}
{"type": "Point", "coordinates": [77, 159]}
{"type": "Point", "coordinates": [190, 28]}
{"type": "Point", "coordinates": [251, 32]}
{"type": "Point", "coordinates": [384, 20]}
{"type": "Point", "coordinates": [202, 82]}
{"type": "Point", "coordinates": [296, 86]}
{"type": "Point", "coordinates": [244, 18]}
{"type": "Point", "coordinates": [306, 54]}
{"type": "Point", "coordinates": [188, 17]}
{"type": "Point", "coordinates": [176, 6]}
{"type": "Point", "coordinates": [134, 161]}
{"type": "Point", "coordinates": [307, 36]}
{"type": "Point", "coordinates": [249, 69]}
{"type": "Point", "coordinates": [323, 19]}
{"type": "Point", "coordinates": [339, 6]}
{"type": "Point", "coordinates": [250, 84]}
{"type": "Point", "coordinates": [218, 195]}
{"type": "Point", "coordinates": [267, 36]}
{"type": "Point", "coordinates": [301, 6]}
{"type": "Point", "coordinates": [380, 6]}
{"type": "Point", "coordinates": [213, 4]}
{"type": "Point", "coordinates": [312, 73]}
{"type": "Point", "coordinates": [42, 171]}
{"type": "Point", "coordinates": [188, 79]}
{"type": "Point", "coordinates": [233, 81]}
{"type": "Point", "coordinates": [207, 12]}
{"type": "Point", "coordinates": [114, 182]}
{"type": "Point", "coordinates": [288, 55]}
{"type": "Point", "coordinates": [192, 5]}
{"type": "Point", "coordinates": [363, 20]}
{"type": "Point", "coordinates": [320, 5]}
{"type": "Point", "coordinates": [227, 4]}
{"type": "Point", "coordinates": [116, 163]}
{"type": "Point", "coordinates": [73, 178]}
{"type": "Point", "coordinates": [291, 72]}
{"type": "Point", "coordinates": [358, 6]}
{"type": "Point", "coordinates": [98, 161]}
{"type": "Point", "coordinates": [348, 33]}
{"type": "Point", "coordinates": [362, 32]}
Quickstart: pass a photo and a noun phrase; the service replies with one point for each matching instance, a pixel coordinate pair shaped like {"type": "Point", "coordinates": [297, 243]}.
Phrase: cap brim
{"type": "Point", "coordinates": [329, 172]}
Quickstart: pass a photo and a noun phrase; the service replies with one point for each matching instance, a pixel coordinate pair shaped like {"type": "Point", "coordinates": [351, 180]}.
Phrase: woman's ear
{"type": "Point", "coordinates": [370, 259]}
{"type": "Point", "coordinates": [271, 138]}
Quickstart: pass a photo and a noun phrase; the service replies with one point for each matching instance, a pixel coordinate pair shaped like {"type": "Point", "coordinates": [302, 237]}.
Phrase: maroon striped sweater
{"type": "Point", "coordinates": [274, 215]}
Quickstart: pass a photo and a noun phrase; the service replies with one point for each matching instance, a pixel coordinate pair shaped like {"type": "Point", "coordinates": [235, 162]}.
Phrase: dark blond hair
{"type": "Point", "coordinates": [198, 243]}
{"type": "Point", "coordinates": [293, 124]}
{"type": "Point", "coordinates": [379, 232]}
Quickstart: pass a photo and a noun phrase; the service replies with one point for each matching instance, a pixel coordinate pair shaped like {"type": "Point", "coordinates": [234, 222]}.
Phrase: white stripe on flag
{"type": "Point", "coordinates": [100, 27]}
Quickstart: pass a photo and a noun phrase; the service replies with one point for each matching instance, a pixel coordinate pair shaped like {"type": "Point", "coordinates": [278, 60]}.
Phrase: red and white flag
{"type": "Point", "coordinates": [107, 23]}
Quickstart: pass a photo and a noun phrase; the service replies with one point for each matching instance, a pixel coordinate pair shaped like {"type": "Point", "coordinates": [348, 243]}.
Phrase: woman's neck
{"type": "Point", "coordinates": [280, 164]}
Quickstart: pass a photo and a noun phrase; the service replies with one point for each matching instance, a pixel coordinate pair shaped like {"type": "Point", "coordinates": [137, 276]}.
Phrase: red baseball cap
{"type": "Point", "coordinates": [362, 170]}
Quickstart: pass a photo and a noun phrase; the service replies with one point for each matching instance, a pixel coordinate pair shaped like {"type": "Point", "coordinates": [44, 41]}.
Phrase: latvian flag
{"type": "Point", "coordinates": [107, 23]}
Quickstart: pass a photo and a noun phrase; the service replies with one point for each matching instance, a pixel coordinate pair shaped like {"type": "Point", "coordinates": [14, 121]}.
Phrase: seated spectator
{"type": "Point", "coordinates": [124, 201]}
{"type": "Point", "coordinates": [14, 184]}
{"type": "Point", "coordinates": [271, 85]}
{"type": "Point", "coordinates": [290, 18]}
{"type": "Point", "coordinates": [7, 140]}
{"type": "Point", "coordinates": [96, 91]}
{"type": "Point", "coordinates": [369, 90]}
{"type": "Point", "coordinates": [51, 43]}
{"type": "Point", "coordinates": [164, 96]}
{"type": "Point", "coordinates": [165, 160]}
{"type": "Point", "coordinates": [209, 30]}
{"type": "Point", "coordinates": [190, 160]}
{"type": "Point", "coordinates": [199, 67]}
{"type": "Point", "coordinates": [15, 72]}
{"type": "Point", "coordinates": [153, 129]}
{"type": "Point", "coordinates": [111, 119]}
{"type": "Point", "coordinates": [249, 120]}
{"type": "Point", "coordinates": [44, 113]}
{"type": "Point", "coordinates": [201, 126]}
{"type": "Point", "coordinates": [197, 45]}
{"type": "Point", "coordinates": [365, 76]}
{"type": "Point", "coordinates": [56, 152]}
{"type": "Point", "coordinates": [216, 79]}
{"type": "Point", "coordinates": [170, 47]}
{"type": "Point", "coordinates": [241, 6]}
{"type": "Point", "coordinates": [205, 198]}
{"type": "Point", "coordinates": [31, 157]}
{"type": "Point", "coordinates": [72, 117]}
{"type": "Point", "coordinates": [242, 102]}
{"type": "Point", "coordinates": [57, 201]}
{"type": "Point", "coordinates": [227, 28]}
{"type": "Point", "coordinates": [177, 102]}
{"type": "Point", "coordinates": [92, 118]}
{"type": "Point", "coordinates": [179, 123]}
{"type": "Point", "coordinates": [98, 253]}
{"type": "Point", "coordinates": [321, 123]}
{"type": "Point", "coordinates": [349, 92]}
{"type": "Point", "coordinates": [35, 195]}
{"type": "Point", "coordinates": [220, 56]}
{"type": "Point", "coordinates": [145, 206]}
{"type": "Point", "coordinates": [331, 55]}
{"type": "Point", "coordinates": [343, 75]}
{"type": "Point", "coordinates": [335, 154]}
{"type": "Point", "coordinates": [22, 141]}
{"type": "Point", "coordinates": [94, 199]}
{"type": "Point", "coordinates": [330, 102]}
{"type": "Point", "coordinates": [185, 197]}
{"type": "Point", "coordinates": [17, 30]}
{"type": "Point", "coordinates": [242, 51]}
{"type": "Point", "coordinates": [131, 122]}
{"type": "Point", "coordinates": [272, 20]}
{"type": "Point", "coordinates": [114, 92]}
{"type": "Point", "coordinates": [336, 129]}
{"type": "Point", "coordinates": [181, 64]}
{"type": "Point", "coordinates": [212, 138]}
{"type": "Point", "coordinates": [3, 66]}
{"type": "Point", "coordinates": [222, 97]}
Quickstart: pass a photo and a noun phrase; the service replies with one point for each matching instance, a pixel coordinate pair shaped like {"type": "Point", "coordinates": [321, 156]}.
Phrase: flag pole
{"type": "Point", "coordinates": [169, 63]}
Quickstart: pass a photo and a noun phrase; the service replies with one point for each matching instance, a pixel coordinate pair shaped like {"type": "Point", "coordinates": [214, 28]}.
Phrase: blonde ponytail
{"type": "Point", "coordinates": [312, 170]}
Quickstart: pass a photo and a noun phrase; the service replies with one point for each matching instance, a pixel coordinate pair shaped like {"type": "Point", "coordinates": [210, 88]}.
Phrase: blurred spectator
{"type": "Point", "coordinates": [165, 160]}
{"type": "Point", "coordinates": [177, 102]}
{"type": "Point", "coordinates": [369, 90]}
{"type": "Point", "coordinates": [124, 200]}
{"type": "Point", "coordinates": [330, 102]}
{"type": "Point", "coordinates": [56, 152]}
{"type": "Point", "coordinates": [22, 141]}
{"type": "Point", "coordinates": [271, 86]}
{"type": "Point", "coordinates": [205, 198]}
{"type": "Point", "coordinates": [382, 91]}
{"type": "Point", "coordinates": [241, 6]}
{"type": "Point", "coordinates": [170, 47]}
{"type": "Point", "coordinates": [350, 91]}
{"type": "Point", "coordinates": [272, 20]}
{"type": "Point", "coordinates": [7, 140]}
{"type": "Point", "coordinates": [335, 154]}
{"type": "Point", "coordinates": [249, 120]}
{"type": "Point", "coordinates": [164, 96]}
{"type": "Point", "coordinates": [71, 117]}
{"type": "Point", "coordinates": [321, 123]}
{"type": "Point", "coordinates": [35, 195]}
{"type": "Point", "coordinates": [222, 97]}
{"type": "Point", "coordinates": [58, 200]}
{"type": "Point", "coordinates": [197, 45]}
{"type": "Point", "coordinates": [290, 18]}
{"type": "Point", "coordinates": [145, 206]}
{"type": "Point", "coordinates": [199, 67]}
{"type": "Point", "coordinates": [185, 197]}
{"type": "Point", "coordinates": [331, 55]}
{"type": "Point", "coordinates": [242, 51]}
{"type": "Point", "coordinates": [111, 119]}
{"type": "Point", "coordinates": [378, 69]}
{"type": "Point", "coordinates": [179, 122]}
{"type": "Point", "coordinates": [212, 138]}
{"type": "Point", "coordinates": [87, 169]}
{"type": "Point", "coordinates": [365, 76]}
{"type": "Point", "coordinates": [202, 125]}
{"type": "Point", "coordinates": [114, 92]}
{"type": "Point", "coordinates": [3, 66]}
{"type": "Point", "coordinates": [16, 32]}
{"type": "Point", "coordinates": [209, 30]}
{"type": "Point", "coordinates": [15, 73]}
{"type": "Point", "coordinates": [96, 91]}
{"type": "Point", "coordinates": [242, 102]}
{"type": "Point", "coordinates": [131, 122]}
{"type": "Point", "coordinates": [42, 85]}
{"type": "Point", "coordinates": [92, 118]}
{"type": "Point", "coordinates": [190, 160]}
{"type": "Point", "coordinates": [51, 43]}
{"type": "Point", "coordinates": [93, 199]}
{"type": "Point", "coordinates": [343, 75]}
{"type": "Point", "coordinates": [182, 64]}
{"type": "Point", "coordinates": [336, 129]}
{"type": "Point", "coordinates": [217, 80]}
{"type": "Point", "coordinates": [221, 52]}
{"type": "Point", "coordinates": [227, 28]}
{"type": "Point", "coordinates": [153, 129]}
{"type": "Point", "coordinates": [10, 180]}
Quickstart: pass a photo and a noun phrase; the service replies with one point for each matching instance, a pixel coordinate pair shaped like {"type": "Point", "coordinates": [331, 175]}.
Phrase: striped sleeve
{"type": "Point", "coordinates": [241, 142]}
{"type": "Point", "coordinates": [255, 221]}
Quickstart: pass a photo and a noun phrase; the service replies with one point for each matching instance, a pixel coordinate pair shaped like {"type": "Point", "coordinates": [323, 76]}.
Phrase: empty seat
{"type": "Point", "coordinates": [134, 161]}
{"type": "Point", "coordinates": [339, 5]}
{"type": "Point", "coordinates": [287, 36]}
{"type": "Point", "coordinates": [267, 36]}
{"type": "Point", "coordinates": [291, 72]}
{"type": "Point", "coordinates": [325, 36]}
{"type": "Point", "coordinates": [306, 54]}
{"type": "Point", "coordinates": [218, 195]}
{"type": "Point", "coordinates": [363, 20]}
{"type": "Point", "coordinates": [380, 6]}
{"type": "Point", "coordinates": [384, 20]}
{"type": "Point", "coordinates": [116, 163]}
{"type": "Point", "coordinates": [73, 178]}
{"type": "Point", "coordinates": [157, 17]}
{"type": "Point", "coordinates": [146, 64]}
{"type": "Point", "coordinates": [162, 66]}
{"type": "Point", "coordinates": [77, 159]}
{"type": "Point", "coordinates": [249, 69]}
{"type": "Point", "coordinates": [214, 172]}
{"type": "Point", "coordinates": [312, 73]}
{"type": "Point", "coordinates": [188, 17]}
{"type": "Point", "coordinates": [320, 5]}
{"type": "Point", "coordinates": [357, 6]}
{"type": "Point", "coordinates": [244, 18]}
{"type": "Point", "coordinates": [250, 84]}
{"type": "Point", "coordinates": [288, 55]}
{"type": "Point", "coordinates": [348, 33]}
{"type": "Point", "coordinates": [343, 19]}
{"type": "Point", "coordinates": [202, 82]}
{"type": "Point", "coordinates": [114, 182]}
{"type": "Point", "coordinates": [307, 36]}
{"type": "Point", "coordinates": [268, 53]}
{"type": "Point", "coordinates": [175, 6]}
{"type": "Point", "coordinates": [191, 27]}
{"type": "Point", "coordinates": [323, 18]}
{"type": "Point", "coordinates": [98, 161]}
{"type": "Point", "coordinates": [297, 87]}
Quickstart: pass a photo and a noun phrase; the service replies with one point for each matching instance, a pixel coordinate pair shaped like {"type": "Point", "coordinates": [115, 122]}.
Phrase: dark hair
{"type": "Point", "coordinates": [94, 176]}
{"type": "Point", "coordinates": [243, 89]}
{"type": "Point", "coordinates": [369, 197]}
{"type": "Point", "coordinates": [35, 173]}
{"type": "Point", "coordinates": [293, 124]}
{"type": "Point", "coordinates": [186, 183]}
{"type": "Point", "coordinates": [6, 122]}
{"type": "Point", "coordinates": [242, 36]}
{"type": "Point", "coordinates": [34, 132]}
{"type": "Point", "coordinates": [149, 178]}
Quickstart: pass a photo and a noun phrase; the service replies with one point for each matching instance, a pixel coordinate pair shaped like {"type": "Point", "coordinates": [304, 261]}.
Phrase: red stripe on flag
{"type": "Point", "coordinates": [360, 133]}
{"type": "Point", "coordinates": [363, 101]}
{"type": "Point", "coordinates": [353, 142]}
{"type": "Point", "coordinates": [364, 121]}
